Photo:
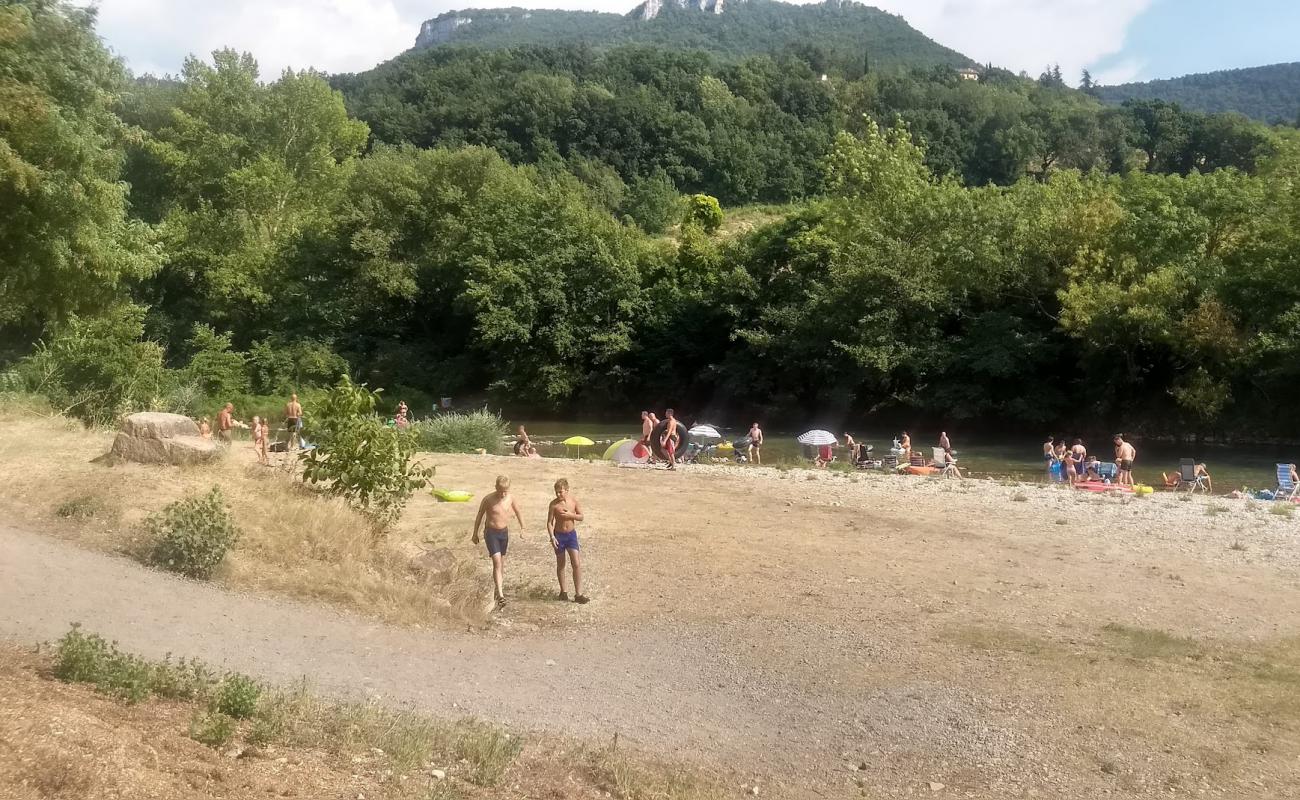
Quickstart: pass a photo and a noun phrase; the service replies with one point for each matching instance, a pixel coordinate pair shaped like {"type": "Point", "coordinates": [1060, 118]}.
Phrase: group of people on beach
{"type": "Point", "coordinates": [259, 431]}
{"type": "Point", "coordinates": [1077, 466]}
{"type": "Point", "coordinates": [562, 517]}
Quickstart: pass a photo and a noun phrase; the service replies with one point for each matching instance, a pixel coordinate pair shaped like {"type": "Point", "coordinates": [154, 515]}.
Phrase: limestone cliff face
{"type": "Point", "coordinates": [442, 28]}
{"type": "Point", "coordinates": [651, 8]}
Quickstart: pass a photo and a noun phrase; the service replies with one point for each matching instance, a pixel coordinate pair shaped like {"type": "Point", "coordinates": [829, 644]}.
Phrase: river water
{"type": "Point", "coordinates": [1234, 467]}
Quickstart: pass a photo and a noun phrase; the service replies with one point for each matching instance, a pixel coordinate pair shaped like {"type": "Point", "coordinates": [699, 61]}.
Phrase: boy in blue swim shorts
{"type": "Point", "coordinates": [497, 508]}
{"type": "Point", "coordinates": [561, 523]}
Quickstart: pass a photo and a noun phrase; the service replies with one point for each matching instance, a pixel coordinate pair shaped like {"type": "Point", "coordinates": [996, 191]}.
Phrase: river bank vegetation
{"type": "Point", "coordinates": [513, 226]}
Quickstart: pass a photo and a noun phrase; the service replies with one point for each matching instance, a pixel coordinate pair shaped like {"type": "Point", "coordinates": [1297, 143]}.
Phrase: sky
{"type": "Point", "coordinates": [1118, 40]}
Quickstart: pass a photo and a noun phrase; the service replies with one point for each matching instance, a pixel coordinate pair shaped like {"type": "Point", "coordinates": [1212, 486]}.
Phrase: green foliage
{"type": "Point", "coordinates": [280, 366]}
{"type": "Point", "coordinates": [192, 535]}
{"type": "Point", "coordinates": [1269, 94]}
{"type": "Point", "coordinates": [97, 368]}
{"type": "Point", "coordinates": [88, 658]}
{"type": "Point", "coordinates": [841, 32]}
{"type": "Point", "coordinates": [237, 696]}
{"type": "Point", "coordinates": [359, 458]}
{"type": "Point", "coordinates": [703, 210]}
{"type": "Point", "coordinates": [653, 203]}
{"type": "Point", "coordinates": [214, 368]}
{"type": "Point", "coordinates": [212, 729]}
{"type": "Point", "coordinates": [461, 433]}
{"type": "Point", "coordinates": [65, 245]}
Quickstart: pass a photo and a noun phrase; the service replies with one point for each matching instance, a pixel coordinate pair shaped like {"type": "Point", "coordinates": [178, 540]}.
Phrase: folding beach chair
{"type": "Point", "coordinates": [941, 461]}
{"type": "Point", "coordinates": [1108, 470]}
{"type": "Point", "coordinates": [1187, 477]}
{"type": "Point", "coordinates": [1286, 488]}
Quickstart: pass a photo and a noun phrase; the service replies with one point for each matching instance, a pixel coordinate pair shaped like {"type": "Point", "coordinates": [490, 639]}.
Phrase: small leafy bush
{"type": "Point", "coordinates": [87, 658]}
{"type": "Point", "coordinates": [359, 458]}
{"type": "Point", "coordinates": [461, 433]}
{"type": "Point", "coordinates": [704, 210]}
{"type": "Point", "coordinates": [211, 729]}
{"type": "Point", "coordinates": [1282, 509]}
{"type": "Point", "coordinates": [237, 696]}
{"type": "Point", "coordinates": [193, 534]}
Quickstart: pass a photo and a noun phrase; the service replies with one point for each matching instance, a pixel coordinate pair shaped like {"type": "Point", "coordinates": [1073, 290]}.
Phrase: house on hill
{"type": "Point", "coordinates": [969, 74]}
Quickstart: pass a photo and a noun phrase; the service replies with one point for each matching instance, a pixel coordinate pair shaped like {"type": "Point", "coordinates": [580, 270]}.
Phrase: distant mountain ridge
{"type": "Point", "coordinates": [841, 28]}
{"type": "Point", "coordinates": [1269, 94]}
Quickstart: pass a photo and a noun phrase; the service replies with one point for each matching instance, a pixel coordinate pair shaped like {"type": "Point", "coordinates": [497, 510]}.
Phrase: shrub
{"type": "Point", "coordinates": [214, 730]}
{"type": "Point", "coordinates": [237, 696]}
{"type": "Point", "coordinates": [653, 202]}
{"type": "Point", "coordinates": [87, 658]}
{"type": "Point", "coordinates": [215, 369]}
{"type": "Point", "coordinates": [359, 458]}
{"type": "Point", "coordinates": [193, 534]}
{"type": "Point", "coordinates": [461, 433]}
{"type": "Point", "coordinates": [704, 211]}
{"type": "Point", "coordinates": [98, 368]}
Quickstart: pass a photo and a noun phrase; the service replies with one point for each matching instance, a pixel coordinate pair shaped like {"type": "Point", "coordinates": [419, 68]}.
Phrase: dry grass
{"type": "Point", "coordinates": [295, 540]}
{"type": "Point", "coordinates": [65, 741]}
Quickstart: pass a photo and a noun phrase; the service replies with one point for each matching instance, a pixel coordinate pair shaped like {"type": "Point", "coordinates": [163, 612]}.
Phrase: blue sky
{"type": "Point", "coordinates": [1177, 37]}
{"type": "Point", "coordinates": [1118, 40]}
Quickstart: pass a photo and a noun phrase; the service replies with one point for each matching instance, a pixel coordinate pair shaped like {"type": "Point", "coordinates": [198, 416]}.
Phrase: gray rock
{"type": "Point", "coordinates": [155, 438]}
{"type": "Point", "coordinates": [157, 425]}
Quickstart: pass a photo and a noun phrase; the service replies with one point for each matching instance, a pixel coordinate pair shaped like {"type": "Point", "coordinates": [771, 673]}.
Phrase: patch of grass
{"type": "Point", "coordinates": [1146, 643]}
{"type": "Point", "coordinates": [1020, 497]}
{"type": "Point", "coordinates": [1282, 509]}
{"type": "Point", "coordinates": [811, 476]}
{"type": "Point", "coordinates": [83, 507]}
{"type": "Point", "coordinates": [457, 432]}
{"type": "Point", "coordinates": [998, 640]}
{"type": "Point", "coordinates": [212, 728]}
{"type": "Point", "coordinates": [841, 466]}
{"type": "Point", "coordinates": [628, 780]}
{"type": "Point", "coordinates": [1186, 498]}
{"type": "Point", "coordinates": [1215, 510]}
{"type": "Point", "coordinates": [1238, 546]}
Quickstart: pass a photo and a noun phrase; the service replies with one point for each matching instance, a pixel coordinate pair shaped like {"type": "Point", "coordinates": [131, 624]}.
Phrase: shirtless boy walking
{"type": "Point", "coordinates": [561, 518]}
{"type": "Point", "coordinates": [497, 508]}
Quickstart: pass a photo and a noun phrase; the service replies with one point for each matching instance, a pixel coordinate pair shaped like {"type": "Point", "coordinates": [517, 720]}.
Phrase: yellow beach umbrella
{"type": "Point", "coordinates": [578, 442]}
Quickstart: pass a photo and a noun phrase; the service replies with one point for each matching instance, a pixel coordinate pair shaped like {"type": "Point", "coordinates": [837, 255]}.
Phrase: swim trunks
{"type": "Point", "coordinates": [566, 540]}
{"type": "Point", "coordinates": [1126, 465]}
{"type": "Point", "coordinates": [498, 541]}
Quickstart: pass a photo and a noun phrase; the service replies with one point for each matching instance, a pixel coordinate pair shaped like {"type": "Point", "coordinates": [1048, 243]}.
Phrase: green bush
{"type": "Point", "coordinates": [704, 211]}
{"type": "Point", "coordinates": [87, 658]}
{"type": "Point", "coordinates": [461, 433]}
{"type": "Point", "coordinates": [361, 459]}
{"type": "Point", "coordinates": [211, 729]}
{"type": "Point", "coordinates": [237, 696]}
{"type": "Point", "coordinates": [653, 203]}
{"type": "Point", "coordinates": [96, 369]}
{"type": "Point", "coordinates": [193, 534]}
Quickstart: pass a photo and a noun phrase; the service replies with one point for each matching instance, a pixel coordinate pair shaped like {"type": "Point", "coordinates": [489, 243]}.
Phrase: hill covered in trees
{"type": "Point", "coordinates": [484, 223]}
{"type": "Point", "coordinates": [1269, 94]}
{"type": "Point", "coordinates": [850, 34]}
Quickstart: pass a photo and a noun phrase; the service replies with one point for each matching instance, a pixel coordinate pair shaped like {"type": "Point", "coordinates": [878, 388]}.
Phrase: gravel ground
{"type": "Point", "coordinates": [873, 636]}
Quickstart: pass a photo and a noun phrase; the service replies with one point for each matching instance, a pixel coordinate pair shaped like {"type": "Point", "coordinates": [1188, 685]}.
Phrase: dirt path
{"type": "Point", "coordinates": [672, 694]}
{"type": "Point", "coordinates": [816, 634]}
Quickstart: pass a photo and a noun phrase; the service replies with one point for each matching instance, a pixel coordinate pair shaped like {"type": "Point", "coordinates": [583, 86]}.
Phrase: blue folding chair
{"type": "Point", "coordinates": [1286, 488]}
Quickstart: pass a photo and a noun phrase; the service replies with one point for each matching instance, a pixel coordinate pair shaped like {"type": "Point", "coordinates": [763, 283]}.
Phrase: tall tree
{"type": "Point", "coordinates": [66, 245]}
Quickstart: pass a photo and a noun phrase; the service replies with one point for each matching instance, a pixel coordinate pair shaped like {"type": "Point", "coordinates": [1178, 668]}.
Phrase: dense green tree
{"type": "Point", "coordinates": [65, 243]}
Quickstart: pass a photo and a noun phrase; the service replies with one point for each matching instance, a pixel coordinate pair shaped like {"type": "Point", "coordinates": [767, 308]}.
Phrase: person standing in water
{"type": "Point", "coordinates": [755, 444]}
{"type": "Point", "coordinates": [497, 508]}
{"type": "Point", "coordinates": [561, 524]}
{"type": "Point", "coordinates": [944, 444]}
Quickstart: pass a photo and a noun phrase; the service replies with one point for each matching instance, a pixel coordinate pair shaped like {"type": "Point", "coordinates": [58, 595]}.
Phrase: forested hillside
{"type": "Point", "coordinates": [1269, 94]}
{"type": "Point", "coordinates": [483, 224]}
{"type": "Point", "coordinates": [850, 36]}
{"type": "Point", "coordinates": [632, 119]}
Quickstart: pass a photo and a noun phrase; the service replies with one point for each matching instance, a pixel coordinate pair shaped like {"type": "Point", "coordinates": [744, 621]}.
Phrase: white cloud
{"type": "Point", "coordinates": [1025, 34]}
{"type": "Point", "coordinates": [349, 35]}
{"type": "Point", "coordinates": [1125, 71]}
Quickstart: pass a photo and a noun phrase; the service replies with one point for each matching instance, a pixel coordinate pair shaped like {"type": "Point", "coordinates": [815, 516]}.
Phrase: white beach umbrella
{"type": "Point", "coordinates": [817, 438]}
{"type": "Point", "coordinates": [705, 432]}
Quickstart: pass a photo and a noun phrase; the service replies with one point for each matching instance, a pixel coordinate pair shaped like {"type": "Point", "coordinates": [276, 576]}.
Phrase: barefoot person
{"type": "Point", "coordinates": [497, 508]}
{"type": "Point", "coordinates": [561, 524]}
{"type": "Point", "coordinates": [226, 422]}
{"type": "Point", "coordinates": [755, 444]}
{"type": "Point", "coordinates": [1125, 455]}
{"type": "Point", "coordinates": [293, 421]}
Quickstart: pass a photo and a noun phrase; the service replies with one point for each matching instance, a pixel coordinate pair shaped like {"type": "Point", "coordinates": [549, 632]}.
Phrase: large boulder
{"type": "Point", "coordinates": [155, 438]}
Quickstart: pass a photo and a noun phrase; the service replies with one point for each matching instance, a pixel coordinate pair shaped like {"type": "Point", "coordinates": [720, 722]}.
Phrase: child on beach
{"type": "Point", "coordinates": [497, 508]}
{"type": "Point", "coordinates": [561, 518]}
{"type": "Point", "coordinates": [263, 443]}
